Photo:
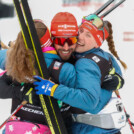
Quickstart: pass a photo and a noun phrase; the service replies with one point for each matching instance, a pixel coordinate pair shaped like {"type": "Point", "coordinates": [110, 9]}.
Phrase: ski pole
{"type": "Point", "coordinates": [13, 113]}
{"type": "Point", "coordinates": [103, 7]}
{"type": "Point", "coordinates": [129, 122]}
{"type": "Point", "coordinates": [111, 9]}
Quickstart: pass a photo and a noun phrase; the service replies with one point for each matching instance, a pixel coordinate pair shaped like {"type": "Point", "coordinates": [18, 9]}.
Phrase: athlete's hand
{"type": "Point", "coordinates": [113, 82]}
{"type": "Point", "coordinates": [43, 86]}
{"type": "Point", "coordinates": [28, 93]}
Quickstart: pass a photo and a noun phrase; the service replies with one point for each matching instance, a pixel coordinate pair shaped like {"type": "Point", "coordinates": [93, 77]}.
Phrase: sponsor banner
{"type": "Point", "coordinates": [128, 36]}
{"type": "Point", "coordinates": [84, 4]}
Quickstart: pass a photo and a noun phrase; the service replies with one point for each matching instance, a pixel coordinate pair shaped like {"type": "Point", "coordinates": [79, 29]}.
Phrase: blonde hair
{"type": "Point", "coordinates": [111, 45]}
{"type": "Point", "coordinates": [20, 63]}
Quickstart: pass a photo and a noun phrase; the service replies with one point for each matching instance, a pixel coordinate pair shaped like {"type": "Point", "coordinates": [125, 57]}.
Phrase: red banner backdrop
{"type": "Point", "coordinates": [128, 36]}
{"type": "Point", "coordinates": [84, 4]}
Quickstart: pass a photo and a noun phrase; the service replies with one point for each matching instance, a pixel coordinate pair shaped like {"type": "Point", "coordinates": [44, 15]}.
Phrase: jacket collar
{"type": "Point", "coordinates": [79, 55]}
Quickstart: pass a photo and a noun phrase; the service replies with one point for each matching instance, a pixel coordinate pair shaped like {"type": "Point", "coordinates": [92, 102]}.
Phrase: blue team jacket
{"type": "Point", "coordinates": [87, 93]}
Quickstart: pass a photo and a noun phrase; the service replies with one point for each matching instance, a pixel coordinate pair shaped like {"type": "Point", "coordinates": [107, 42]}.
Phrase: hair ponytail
{"type": "Point", "coordinates": [111, 43]}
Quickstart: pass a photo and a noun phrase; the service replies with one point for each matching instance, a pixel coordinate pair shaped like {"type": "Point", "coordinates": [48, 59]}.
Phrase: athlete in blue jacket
{"type": "Point", "coordinates": [87, 94]}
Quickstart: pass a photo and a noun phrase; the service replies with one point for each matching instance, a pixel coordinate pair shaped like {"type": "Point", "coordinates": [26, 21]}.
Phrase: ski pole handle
{"type": "Point", "coordinates": [24, 102]}
{"type": "Point", "coordinates": [13, 113]}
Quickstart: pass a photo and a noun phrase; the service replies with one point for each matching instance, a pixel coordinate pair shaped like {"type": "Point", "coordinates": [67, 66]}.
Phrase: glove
{"type": "Point", "coordinates": [44, 87]}
{"type": "Point", "coordinates": [113, 82]}
{"type": "Point", "coordinates": [28, 93]}
{"type": "Point", "coordinates": [13, 89]}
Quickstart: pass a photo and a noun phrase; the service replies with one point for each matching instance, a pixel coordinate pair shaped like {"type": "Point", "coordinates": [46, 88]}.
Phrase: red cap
{"type": "Point", "coordinates": [64, 24]}
{"type": "Point", "coordinates": [46, 41]}
{"type": "Point", "coordinates": [97, 33]}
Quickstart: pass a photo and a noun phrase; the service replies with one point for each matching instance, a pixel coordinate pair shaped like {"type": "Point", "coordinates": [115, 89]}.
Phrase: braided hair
{"type": "Point", "coordinates": [111, 43]}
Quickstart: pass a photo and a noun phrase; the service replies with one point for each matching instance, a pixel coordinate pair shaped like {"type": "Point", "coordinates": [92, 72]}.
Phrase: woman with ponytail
{"type": "Point", "coordinates": [93, 107]}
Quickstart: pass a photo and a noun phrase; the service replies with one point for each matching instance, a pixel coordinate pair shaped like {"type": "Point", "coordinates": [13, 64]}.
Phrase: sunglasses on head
{"type": "Point", "coordinates": [96, 21]}
{"type": "Point", "coordinates": [62, 41]}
